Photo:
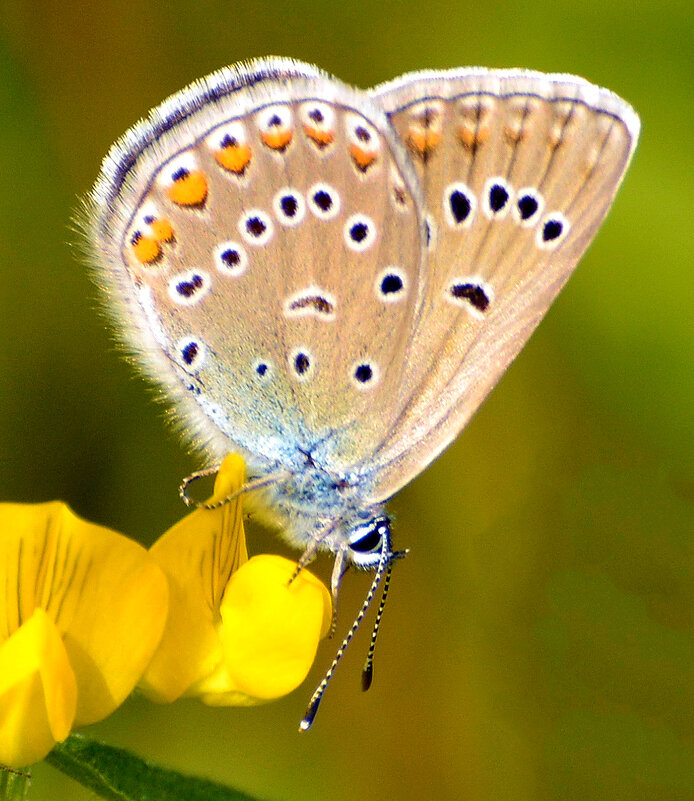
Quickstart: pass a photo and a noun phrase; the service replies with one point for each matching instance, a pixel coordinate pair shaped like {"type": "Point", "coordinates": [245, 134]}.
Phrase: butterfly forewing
{"type": "Point", "coordinates": [268, 246]}
{"type": "Point", "coordinates": [518, 170]}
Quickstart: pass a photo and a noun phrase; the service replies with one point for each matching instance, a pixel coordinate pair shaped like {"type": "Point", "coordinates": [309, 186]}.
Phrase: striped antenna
{"type": "Point", "coordinates": [383, 565]}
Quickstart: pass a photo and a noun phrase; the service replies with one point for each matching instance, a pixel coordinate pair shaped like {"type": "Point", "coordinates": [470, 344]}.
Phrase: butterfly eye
{"type": "Point", "coordinates": [368, 537]}
{"type": "Point", "coordinates": [368, 543]}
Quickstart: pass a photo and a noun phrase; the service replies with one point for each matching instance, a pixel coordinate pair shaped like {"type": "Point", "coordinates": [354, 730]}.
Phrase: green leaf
{"type": "Point", "coordinates": [13, 784]}
{"type": "Point", "coordinates": [118, 775]}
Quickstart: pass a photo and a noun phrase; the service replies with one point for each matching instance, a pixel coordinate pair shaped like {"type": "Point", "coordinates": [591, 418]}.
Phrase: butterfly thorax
{"type": "Point", "coordinates": [314, 508]}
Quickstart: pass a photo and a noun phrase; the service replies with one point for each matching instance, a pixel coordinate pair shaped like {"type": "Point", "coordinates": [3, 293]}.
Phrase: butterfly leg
{"type": "Point", "coordinates": [305, 558]}
{"type": "Point", "coordinates": [249, 486]}
{"type": "Point", "coordinates": [310, 551]}
{"type": "Point", "coordinates": [339, 569]}
{"type": "Point", "coordinates": [188, 480]}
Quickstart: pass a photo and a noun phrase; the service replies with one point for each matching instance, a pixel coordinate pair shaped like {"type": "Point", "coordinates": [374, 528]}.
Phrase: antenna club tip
{"type": "Point", "coordinates": [310, 715]}
{"type": "Point", "coordinates": [367, 676]}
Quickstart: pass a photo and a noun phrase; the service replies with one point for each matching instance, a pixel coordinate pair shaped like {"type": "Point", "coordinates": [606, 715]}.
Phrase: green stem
{"type": "Point", "coordinates": [14, 784]}
{"type": "Point", "coordinates": [117, 775]}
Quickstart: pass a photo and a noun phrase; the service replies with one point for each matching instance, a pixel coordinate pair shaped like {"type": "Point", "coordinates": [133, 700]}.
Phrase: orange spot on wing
{"type": "Point", "coordinates": [362, 157]}
{"type": "Point", "coordinates": [423, 140]}
{"type": "Point", "coordinates": [188, 190]}
{"type": "Point", "coordinates": [472, 137]}
{"type": "Point", "coordinates": [321, 136]}
{"type": "Point", "coordinates": [555, 135]}
{"type": "Point", "coordinates": [162, 230]}
{"type": "Point", "coordinates": [277, 138]}
{"type": "Point", "coordinates": [235, 157]}
{"type": "Point", "coordinates": [514, 133]}
{"type": "Point", "coordinates": [146, 249]}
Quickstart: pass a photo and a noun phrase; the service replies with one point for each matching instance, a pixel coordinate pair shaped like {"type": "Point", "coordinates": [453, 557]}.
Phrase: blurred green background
{"type": "Point", "coordinates": [539, 639]}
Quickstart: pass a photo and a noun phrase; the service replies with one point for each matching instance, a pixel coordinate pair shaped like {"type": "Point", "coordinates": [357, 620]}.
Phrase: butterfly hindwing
{"type": "Point", "coordinates": [518, 170]}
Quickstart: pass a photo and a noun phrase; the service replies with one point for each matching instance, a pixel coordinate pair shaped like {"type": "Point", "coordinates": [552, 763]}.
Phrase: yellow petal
{"type": "Point", "coordinates": [38, 692]}
{"type": "Point", "coordinates": [271, 628]}
{"type": "Point", "coordinates": [219, 689]}
{"type": "Point", "coordinates": [198, 556]}
{"type": "Point", "coordinates": [105, 593]}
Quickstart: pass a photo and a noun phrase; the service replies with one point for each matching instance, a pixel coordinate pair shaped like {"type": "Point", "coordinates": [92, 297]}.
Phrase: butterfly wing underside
{"type": "Point", "coordinates": [242, 231]}
{"type": "Point", "coordinates": [518, 170]}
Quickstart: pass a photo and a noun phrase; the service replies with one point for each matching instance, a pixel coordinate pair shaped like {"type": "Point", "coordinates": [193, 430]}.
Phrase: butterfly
{"type": "Point", "coordinates": [330, 281]}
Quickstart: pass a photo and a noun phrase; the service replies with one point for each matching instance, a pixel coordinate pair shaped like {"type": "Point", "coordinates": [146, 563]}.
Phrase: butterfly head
{"type": "Point", "coordinates": [367, 540]}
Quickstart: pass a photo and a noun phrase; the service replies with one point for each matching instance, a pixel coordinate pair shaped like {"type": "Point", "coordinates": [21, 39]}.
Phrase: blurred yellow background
{"type": "Point", "coordinates": [538, 643]}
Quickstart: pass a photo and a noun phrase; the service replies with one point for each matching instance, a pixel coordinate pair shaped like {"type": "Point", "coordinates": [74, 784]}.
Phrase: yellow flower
{"type": "Point", "coordinates": [82, 609]}
{"type": "Point", "coordinates": [238, 631]}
